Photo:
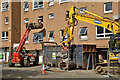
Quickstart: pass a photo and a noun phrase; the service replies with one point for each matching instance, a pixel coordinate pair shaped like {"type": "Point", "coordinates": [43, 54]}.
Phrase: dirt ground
{"type": "Point", "coordinates": [35, 72]}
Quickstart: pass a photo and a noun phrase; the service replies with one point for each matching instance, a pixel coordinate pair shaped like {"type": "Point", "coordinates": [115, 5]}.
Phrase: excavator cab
{"type": "Point", "coordinates": [114, 43]}
{"type": "Point", "coordinates": [117, 43]}
{"type": "Point", "coordinates": [114, 46]}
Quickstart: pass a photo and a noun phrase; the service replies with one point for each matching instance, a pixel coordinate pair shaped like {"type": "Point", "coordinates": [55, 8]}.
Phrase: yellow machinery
{"type": "Point", "coordinates": [72, 17]}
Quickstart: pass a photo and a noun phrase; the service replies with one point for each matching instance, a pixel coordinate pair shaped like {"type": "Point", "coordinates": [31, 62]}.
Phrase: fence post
{"type": "Point", "coordinates": [108, 64]}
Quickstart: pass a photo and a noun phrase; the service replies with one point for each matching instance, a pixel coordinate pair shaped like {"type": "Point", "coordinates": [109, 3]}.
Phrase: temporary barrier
{"type": "Point", "coordinates": [84, 56]}
{"type": "Point", "coordinates": [80, 55]}
{"type": "Point", "coordinates": [52, 55]}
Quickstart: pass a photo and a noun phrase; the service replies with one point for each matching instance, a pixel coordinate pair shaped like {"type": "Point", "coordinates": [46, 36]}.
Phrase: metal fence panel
{"type": "Point", "coordinates": [49, 51]}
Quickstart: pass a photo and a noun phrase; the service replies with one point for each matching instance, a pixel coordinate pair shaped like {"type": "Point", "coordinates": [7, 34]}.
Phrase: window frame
{"type": "Point", "coordinates": [27, 40]}
{"type": "Point", "coordinates": [25, 21]}
{"type": "Point", "coordinates": [82, 9]}
{"type": "Point", "coordinates": [6, 20]}
{"type": "Point", "coordinates": [39, 40]}
{"type": "Point", "coordinates": [51, 39]}
{"type": "Point", "coordinates": [50, 16]}
{"type": "Point", "coordinates": [51, 1]}
{"type": "Point", "coordinates": [6, 37]}
{"type": "Point", "coordinates": [26, 8]}
{"type": "Point", "coordinates": [2, 7]}
{"type": "Point", "coordinates": [60, 2]}
{"type": "Point", "coordinates": [37, 5]}
{"type": "Point", "coordinates": [104, 34]}
{"type": "Point", "coordinates": [83, 36]}
{"type": "Point", "coordinates": [61, 36]}
{"type": "Point", "coordinates": [105, 8]}
{"type": "Point", "coordinates": [41, 18]}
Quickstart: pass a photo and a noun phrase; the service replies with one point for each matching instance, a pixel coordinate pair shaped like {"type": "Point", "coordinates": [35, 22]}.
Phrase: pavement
{"type": "Point", "coordinates": [35, 72]}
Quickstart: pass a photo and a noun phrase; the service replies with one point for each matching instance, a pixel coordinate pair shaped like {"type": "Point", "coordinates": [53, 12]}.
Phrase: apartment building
{"type": "Point", "coordinates": [52, 14]}
{"type": "Point", "coordinates": [10, 27]}
{"type": "Point", "coordinates": [46, 12]}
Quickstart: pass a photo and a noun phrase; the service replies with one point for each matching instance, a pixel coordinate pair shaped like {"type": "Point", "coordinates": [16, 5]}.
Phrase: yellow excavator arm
{"type": "Point", "coordinates": [86, 16]}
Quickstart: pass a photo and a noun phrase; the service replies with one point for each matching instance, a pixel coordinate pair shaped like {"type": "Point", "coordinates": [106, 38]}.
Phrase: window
{"type": "Point", "coordinates": [51, 36]}
{"type": "Point", "coordinates": [5, 6]}
{"type": "Point", "coordinates": [38, 37]}
{"type": "Point", "coordinates": [61, 35]}
{"type": "Point", "coordinates": [40, 18]}
{"type": "Point", "coordinates": [26, 20]}
{"type": "Point", "coordinates": [83, 33]}
{"type": "Point", "coordinates": [5, 35]}
{"type": "Point", "coordinates": [63, 1]}
{"type": "Point", "coordinates": [37, 4]}
{"type": "Point", "coordinates": [102, 32]}
{"type": "Point", "coordinates": [51, 16]}
{"type": "Point", "coordinates": [26, 5]}
{"type": "Point", "coordinates": [27, 40]}
{"type": "Point", "coordinates": [6, 20]}
{"type": "Point", "coordinates": [108, 7]}
{"type": "Point", "coordinates": [81, 9]}
{"type": "Point", "coordinates": [67, 15]}
{"type": "Point", "coordinates": [51, 2]}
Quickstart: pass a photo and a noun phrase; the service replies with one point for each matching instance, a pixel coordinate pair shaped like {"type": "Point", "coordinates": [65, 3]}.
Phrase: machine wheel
{"type": "Point", "coordinates": [103, 71]}
{"type": "Point", "coordinates": [100, 70]}
{"type": "Point", "coordinates": [11, 64]}
{"type": "Point", "coordinates": [26, 63]}
{"type": "Point", "coordinates": [36, 62]}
